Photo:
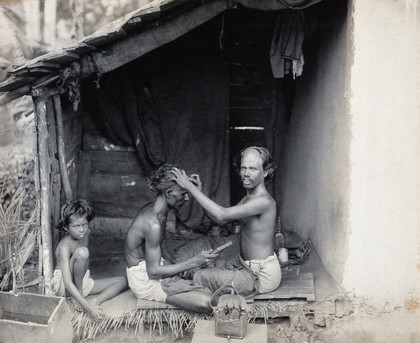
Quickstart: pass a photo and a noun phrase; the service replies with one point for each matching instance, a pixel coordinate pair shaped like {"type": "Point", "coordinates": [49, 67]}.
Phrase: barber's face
{"type": "Point", "coordinates": [251, 171]}
{"type": "Point", "coordinates": [177, 196]}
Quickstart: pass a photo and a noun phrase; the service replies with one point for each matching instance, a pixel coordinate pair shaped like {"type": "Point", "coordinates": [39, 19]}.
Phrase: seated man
{"type": "Point", "coordinates": [257, 269]}
{"type": "Point", "coordinates": [147, 271]}
{"type": "Point", "coordinates": [72, 276]}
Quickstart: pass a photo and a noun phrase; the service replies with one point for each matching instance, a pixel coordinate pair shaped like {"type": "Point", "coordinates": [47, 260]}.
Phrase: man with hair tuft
{"type": "Point", "coordinates": [257, 269]}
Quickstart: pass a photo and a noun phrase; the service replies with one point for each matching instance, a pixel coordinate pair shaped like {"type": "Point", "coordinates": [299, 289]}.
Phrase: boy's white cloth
{"type": "Point", "coordinates": [59, 290]}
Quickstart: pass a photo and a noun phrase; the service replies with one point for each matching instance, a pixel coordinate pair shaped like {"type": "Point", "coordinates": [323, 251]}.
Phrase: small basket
{"type": "Point", "coordinates": [228, 327]}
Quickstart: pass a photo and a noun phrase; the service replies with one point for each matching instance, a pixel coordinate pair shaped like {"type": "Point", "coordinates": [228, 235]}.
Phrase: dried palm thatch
{"type": "Point", "coordinates": [19, 227]}
{"type": "Point", "coordinates": [178, 321]}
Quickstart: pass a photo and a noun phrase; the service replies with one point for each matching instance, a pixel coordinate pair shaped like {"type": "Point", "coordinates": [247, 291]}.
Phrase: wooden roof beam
{"type": "Point", "coordinates": [131, 48]}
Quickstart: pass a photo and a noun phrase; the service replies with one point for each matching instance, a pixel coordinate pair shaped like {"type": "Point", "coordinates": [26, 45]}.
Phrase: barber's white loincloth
{"type": "Point", "coordinates": [59, 290]}
{"type": "Point", "coordinates": [268, 272]}
{"type": "Point", "coordinates": [142, 286]}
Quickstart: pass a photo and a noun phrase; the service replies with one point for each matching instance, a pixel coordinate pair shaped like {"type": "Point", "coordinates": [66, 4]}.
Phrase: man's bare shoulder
{"type": "Point", "coordinates": [143, 223]}
{"type": "Point", "coordinates": [264, 197]}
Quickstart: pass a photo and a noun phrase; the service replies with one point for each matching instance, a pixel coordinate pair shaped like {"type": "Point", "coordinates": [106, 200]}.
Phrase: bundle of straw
{"type": "Point", "coordinates": [17, 234]}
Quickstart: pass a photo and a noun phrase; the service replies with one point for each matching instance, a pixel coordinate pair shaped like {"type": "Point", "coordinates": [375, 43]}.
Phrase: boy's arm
{"type": "Point", "coordinates": [153, 257]}
{"type": "Point", "coordinates": [64, 255]}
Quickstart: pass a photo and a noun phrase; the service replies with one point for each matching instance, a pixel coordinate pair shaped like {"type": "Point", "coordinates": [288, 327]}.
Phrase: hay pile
{"type": "Point", "coordinates": [19, 224]}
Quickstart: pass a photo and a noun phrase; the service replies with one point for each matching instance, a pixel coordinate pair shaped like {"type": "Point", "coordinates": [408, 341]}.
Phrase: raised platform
{"type": "Point", "coordinates": [293, 285]}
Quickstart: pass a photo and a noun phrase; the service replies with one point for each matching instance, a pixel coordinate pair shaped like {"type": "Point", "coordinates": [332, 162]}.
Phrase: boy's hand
{"type": "Point", "coordinates": [96, 312]}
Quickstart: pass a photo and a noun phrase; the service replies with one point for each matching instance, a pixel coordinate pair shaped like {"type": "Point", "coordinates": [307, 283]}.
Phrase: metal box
{"type": "Point", "coordinates": [231, 328]}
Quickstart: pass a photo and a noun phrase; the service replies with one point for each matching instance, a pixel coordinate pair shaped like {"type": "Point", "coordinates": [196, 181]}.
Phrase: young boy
{"type": "Point", "coordinates": [72, 276]}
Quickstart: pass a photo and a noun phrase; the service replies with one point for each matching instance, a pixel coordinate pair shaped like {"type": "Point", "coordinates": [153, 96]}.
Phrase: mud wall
{"type": "Point", "coordinates": [383, 261]}
{"type": "Point", "coordinates": [315, 185]}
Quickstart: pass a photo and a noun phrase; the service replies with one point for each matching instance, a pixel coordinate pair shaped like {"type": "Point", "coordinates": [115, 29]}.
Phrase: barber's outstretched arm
{"type": "Point", "coordinates": [196, 181]}
{"type": "Point", "coordinates": [250, 208]}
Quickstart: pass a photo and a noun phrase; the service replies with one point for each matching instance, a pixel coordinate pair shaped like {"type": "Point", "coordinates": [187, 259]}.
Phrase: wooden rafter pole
{"type": "Point", "coordinates": [61, 150]}
{"type": "Point", "coordinates": [44, 183]}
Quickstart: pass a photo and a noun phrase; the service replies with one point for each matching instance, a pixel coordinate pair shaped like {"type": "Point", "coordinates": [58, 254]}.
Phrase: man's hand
{"type": "Point", "coordinates": [181, 178]}
{"type": "Point", "coordinates": [195, 180]}
{"type": "Point", "coordinates": [185, 181]}
{"type": "Point", "coordinates": [205, 258]}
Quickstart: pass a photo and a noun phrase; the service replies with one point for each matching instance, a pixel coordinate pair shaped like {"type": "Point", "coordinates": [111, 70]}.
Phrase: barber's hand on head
{"type": "Point", "coordinates": [195, 180]}
{"type": "Point", "coordinates": [181, 177]}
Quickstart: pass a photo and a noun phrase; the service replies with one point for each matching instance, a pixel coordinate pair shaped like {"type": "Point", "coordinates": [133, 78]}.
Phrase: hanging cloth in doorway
{"type": "Point", "coordinates": [286, 53]}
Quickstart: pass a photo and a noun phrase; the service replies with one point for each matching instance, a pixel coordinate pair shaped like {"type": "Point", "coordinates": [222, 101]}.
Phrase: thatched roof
{"type": "Point", "coordinates": [122, 41]}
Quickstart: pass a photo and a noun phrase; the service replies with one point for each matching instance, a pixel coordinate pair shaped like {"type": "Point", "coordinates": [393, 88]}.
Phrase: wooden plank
{"type": "Point", "coordinates": [55, 177]}
{"type": "Point", "coordinates": [99, 142]}
{"type": "Point", "coordinates": [246, 74]}
{"type": "Point", "coordinates": [97, 40]}
{"type": "Point", "coordinates": [13, 83]}
{"type": "Point", "coordinates": [45, 212]}
{"type": "Point", "coordinates": [111, 210]}
{"type": "Point", "coordinates": [204, 332]}
{"type": "Point", "coordinates": [292, 286]}
{"type": "Point", "coordinates": [170, 5]}
{"type": "Point", "coordinates": [68, 193]}
{"type": "Point", "coordinates": [133, 47]}
{"type": "Point", "coordinates": [115, 162]}
{"type": "Point", "coordinates": [115, 188]}
{"type": "Point", "coordinates": [44, 81]}
{"type": "Point", "coordinates": [248, 117]}
{"type": "Point", "coordinates": [37, 64]}
{"type": "Point", "coordinates": [60, 57]}
{"type": "Point", "coordinates": [237, 53]}
{"type": "Point", "coordinates": [84, 175]}
{"type": "Point", "coordinates": [116, 227]}
{"type": "Point", "coordinates": [142, 17]}
{"type": "Point", "coordinates": [80, 48]}
{"type": "Point", "coordinates": [17, 93]}
{"type": "Point", "coordinates": [35, 72]}
{"type": "Point", "coordinates": [73, 133]}
{"type": "Point", "coordinates": [249, 96]}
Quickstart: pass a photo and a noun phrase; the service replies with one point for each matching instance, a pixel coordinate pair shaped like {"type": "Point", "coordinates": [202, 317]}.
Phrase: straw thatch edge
{"type": "Point", "coordinates": [178, 320]}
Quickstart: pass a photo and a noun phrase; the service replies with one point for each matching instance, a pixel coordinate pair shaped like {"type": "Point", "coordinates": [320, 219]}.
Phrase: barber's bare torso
{"type": "Point", "coordinates": [257, 232]}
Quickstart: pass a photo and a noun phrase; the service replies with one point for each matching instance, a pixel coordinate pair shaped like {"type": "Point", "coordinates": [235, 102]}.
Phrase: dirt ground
{"type": "Point", "coordinates": [360, 324]}
{"type": "Point", "coordinates": [363, 326]}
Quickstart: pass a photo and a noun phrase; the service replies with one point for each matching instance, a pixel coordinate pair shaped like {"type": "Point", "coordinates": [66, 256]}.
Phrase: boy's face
{"type": "Point", "coordinates": [78, 226]}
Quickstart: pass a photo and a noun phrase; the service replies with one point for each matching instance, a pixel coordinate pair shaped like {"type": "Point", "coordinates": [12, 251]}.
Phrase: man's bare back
{"type": "Point", "coordinates": [135, 251]}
